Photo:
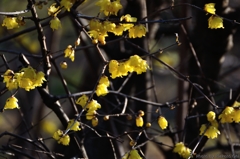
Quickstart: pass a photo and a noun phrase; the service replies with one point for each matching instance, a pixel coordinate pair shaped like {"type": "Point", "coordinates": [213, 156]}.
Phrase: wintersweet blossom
{"type": "Point", "coordinates": [215, 22]}
{"type": "Point", "coordinates": [73, 125]}
{"type": "Point", "coordinates": [133, 154]}
{"type": "Point", "coordinates": [11, 103]}
{"type": "Point", "coordinates": [211, 131]}
{"type": "Point", "coordinates": [82, 100]}
{"type": "Point", "coordinates": [94, 121]}
{"type": "Point", "coordinates": [182, 150]}
{"type": "Point", "coordinates": [55, 23]}
{"type": "Point", "coordinates": [27, 78]}
{"type": "Point", "coordinates": [102, 86]}
{"type": "Point", "coordinates": [10, 22]}
{"type": "Point", "coordinates": [137, 31]}
{"type": "Point", "coordinates": [109, 7]}
{"type": "Point", "coordinates": [61, 138]}
{"type": "Point", "coordinates": [227, 115]}
{"type": "Point", "coordinates": [162, 122]}
{"type": "Point", "coordinates": [210, 8]}
{"type": "Point", "coordinates": [69, 52]}
{"type": "Point", "coordinates": [53, 10]}
{"type": "Point", "coordinates": [67, 4]}
{"type": "Point", "coordinates": [139, 121]}
{"type": "Point", "coordinates": [211, 116]}
{"type": "Point", "coordinates": [133, 64]}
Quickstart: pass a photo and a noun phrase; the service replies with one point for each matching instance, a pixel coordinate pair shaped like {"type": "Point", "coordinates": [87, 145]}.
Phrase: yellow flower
{"type": "Point", "coordinates": [215, 22]}
{"type": "Point", "coordinates": [40, 78]}
{"type": "Point", "coordinates": [139, 121]}
{"type": "Point", "coordinates": [104, 80]}
{"type": "Point", "coordinates": [211, 116]}
{"type": "Point", "coordinates": [101, 90]}
{"type": "Point", "coordinates": [123, 69]}
{"type": "Point", "coordinates": [109, 7]}
{"type": "Point", "coordinates": [53, 10]}
{"type": "Point", "coordinates": [162, 122]}
{"type": "Point", "coordinates": [9, 79]}
{"type": "Point", "coordinates": [236, 104]}
{"type": "Point", "coordinates": [210, 8]}
{"type": "Point", "coordinates": [227, 115]}
{"type": "Point", "coordinates": [63, 65]}
{"type": "Point", "coordinates": [64, 140]}
{"type": "Point", "coordinates": [236, 115]}
{"type": "Point", "coordinates": [211, 132]}
{"type": "Point", "coordinates": [95, 24]}
{"type": "Point", "coordinates": [69, 52]}
{"type": "Point", "coordinates": [10, 22]}
{"type": "Point", "coordinates": [73, 125]}
{"type": "Point", "coordinates": [11, 103]}
{"type": "Point", "coordinates": [82, 100]}
{"type": "Point", "coordinates": [182, 150]}
{"type": "Point", "coordinates": [67, 4]}
{"type": "Point", "coordinates": [113, 68]}
{"type": "Point", "coordinates": [133, 154]}
{"type": "Point", "coordinates": [90, 114]}
{"type": "Point", "coordinates": [55, 23]}
{"type": "Point", "coordinates": [137, 31]}
{"type": "Point", "coordinates": [28, 78]}
{"type": "Point", "coordinates": [61, 138]}
{"type": "Point", "coordinates": [93, 105]}
{"type": "Point", "coordinates": [137, 64]}
{"type": "Point", "coordinates": [128, 18]}
{"type": "Point", "coordinates": [94, 121]}
{"type": "Point", "coordinates": [118, 30]}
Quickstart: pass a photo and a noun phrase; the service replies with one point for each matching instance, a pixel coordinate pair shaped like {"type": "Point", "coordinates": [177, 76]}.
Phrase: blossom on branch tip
{"type": "Point", "coordinates": [137, 31]}
{"type": "Point", "coordinates": [133, 154]}
{"type": "Point", "coordinates": [94, 121]}
{"type": "Point", "coordinates": [53, 10]}
{"type": "Point", "coordinates": [11, 103]}
{"type": "Point", "coordinates": [139, 121]}
{"type": "Point", "coordinates": [82, 100]}
{"type": "Point", "coordinates": [211, 116]}
{"type": "Point", "coordinates": [27, 78]}
{"type": "Point", "coordinates": [211, 131]}
{"type": "Point", "coordinates": [182, 150]}
{"type": "Point", "coordinates": [109, 7]}
{"type": "Point", "coordinates": [227, 115]}
{"type": "Point", "coordinates": [102, 86]}
{"type": "Point", "coordinates": [67, 4]}
{"type": "Point", "coordinates": [210, 8]}
{"type": "Point", "coordinates": [73, 125]}
{"type": "Point", "coordinates": [61, 138]}
{"type": "Point", "coordinates": [10, 22]}
{"type": "Point", "coordinates": [215, 22]}
{"type": "Point", "coordinates": [162, 122]}
{"type": "Point", "coordinates": [55, 23]}
{"type": "Point", "coordinates": [69, 52]}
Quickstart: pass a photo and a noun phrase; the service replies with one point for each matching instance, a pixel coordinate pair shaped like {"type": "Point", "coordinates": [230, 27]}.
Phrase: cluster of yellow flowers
{"type": "Point", "coordinates": [26, 78]}
{"type": "Point", "coordinates": [211, 131]}
{"type": "Point", "coordinates": [214, 22]}
{"type": "Point", "coordinates": [62, 138]}
{"type": "Point", "coordinates": [230, 114]}
{"type": "Point", "coordinates": [133, 64]}
{"type": "Point", "coordinates": [109, 7]}
{"type": "Point", "coordinates": [182, 150]}
{"type": "Point", "coordinates": [162, 122]}
{"type": "Point", "coordinates": [133, 154]}
{"type": "Point", "coordinates": [90, 107]}
{"type": "Point", "coordinates": [99, 30]}
{"type": "Point", "coordinates": [102, 86]}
